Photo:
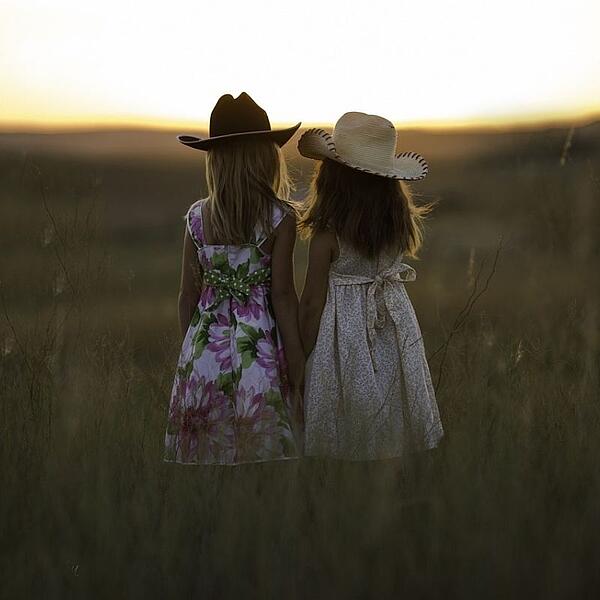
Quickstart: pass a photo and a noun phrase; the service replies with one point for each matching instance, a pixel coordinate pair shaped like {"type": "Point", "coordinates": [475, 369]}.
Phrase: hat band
{"type": "Point", "coordinates": [220, 130]}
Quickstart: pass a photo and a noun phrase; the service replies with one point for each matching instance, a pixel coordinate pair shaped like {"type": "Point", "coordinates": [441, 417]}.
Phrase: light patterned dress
{"type": "Point", "coordinates": [368, 391]}
{"type": "Point", "coordinates": [230, 400]}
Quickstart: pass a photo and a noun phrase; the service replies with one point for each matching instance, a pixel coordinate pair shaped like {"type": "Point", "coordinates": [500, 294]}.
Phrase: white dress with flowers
{"type": "Point", "coordinates": [368, 389]}
{"type": "Point", "coordinates": [230, 401]}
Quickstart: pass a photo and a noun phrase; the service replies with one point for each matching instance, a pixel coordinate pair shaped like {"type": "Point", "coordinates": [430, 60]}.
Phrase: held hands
{"type": "Point", "coordinates": [296, 382]}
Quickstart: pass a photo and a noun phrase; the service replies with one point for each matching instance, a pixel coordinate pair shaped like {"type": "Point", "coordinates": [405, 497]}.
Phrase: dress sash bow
{"type": "Point", "coordinates": [234, 285]}
{"type": "Point", "coordinates": [380, 293]}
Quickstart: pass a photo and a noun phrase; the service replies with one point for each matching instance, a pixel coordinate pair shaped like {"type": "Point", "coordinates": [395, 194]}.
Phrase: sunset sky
{"type": "Point", "coordinates": [423, 62]}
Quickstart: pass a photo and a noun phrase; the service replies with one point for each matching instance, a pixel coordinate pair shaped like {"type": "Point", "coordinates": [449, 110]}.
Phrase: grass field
{"type": "Point", "coordinates": [507, 507]}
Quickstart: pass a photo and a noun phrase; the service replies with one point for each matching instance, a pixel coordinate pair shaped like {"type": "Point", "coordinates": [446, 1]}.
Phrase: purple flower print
{"type": "Point", "coordinates": [253, 307]}
{"type": "Point", "coordinates": [258, 434]}
{"type": "Point", "coordinates": [195, 225]}
{"type": "Point", "coordinates": [208, 295]}
{"type": "Point", "coordinates": [266, 357]}
{"type": "Point", "coordinates": [177, 397]}
{"type": "Point", "coordinates": [184, 388]}
{"type": "Point", "coordinates": [203, 422]}
{"type": "Point", "coordinates": [219, 342]}
{"type": "Point", "coordinates": [272, 359]}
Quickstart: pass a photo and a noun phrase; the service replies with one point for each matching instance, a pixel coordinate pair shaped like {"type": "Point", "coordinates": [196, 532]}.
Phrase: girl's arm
{"type": "Point", "coordinates": [191, 283]}
{"type": "Point", "coordinates": [285, 300]}
{"type": "Point", "coordinates": [321, 252]}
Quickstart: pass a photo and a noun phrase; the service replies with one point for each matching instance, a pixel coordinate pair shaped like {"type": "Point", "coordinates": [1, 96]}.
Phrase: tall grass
{"type": "Point", "coordinates": [507, 507]}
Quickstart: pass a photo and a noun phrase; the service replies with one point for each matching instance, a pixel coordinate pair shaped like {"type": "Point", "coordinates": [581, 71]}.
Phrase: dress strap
{"type": "Point", "coordinates": [278, 213]}
{"type": "Point", "coordinates": [195, 223]}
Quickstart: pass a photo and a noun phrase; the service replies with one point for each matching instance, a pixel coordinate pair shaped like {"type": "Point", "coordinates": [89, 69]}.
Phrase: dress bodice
{"type": "Point", "coordinates": [351, 262]}
{"type": "Point", "coordinates": [248, 256]}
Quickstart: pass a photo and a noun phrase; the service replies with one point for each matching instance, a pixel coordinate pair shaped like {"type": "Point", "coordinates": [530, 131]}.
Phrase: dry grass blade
{"type": "Point", "coordinates": [465, 312]}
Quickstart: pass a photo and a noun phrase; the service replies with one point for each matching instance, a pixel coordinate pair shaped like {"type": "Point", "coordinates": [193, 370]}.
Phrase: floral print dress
{"type": "Point", "coordinates": [230, 401]}
{"type": "Point", "coordinates": [368, 391]}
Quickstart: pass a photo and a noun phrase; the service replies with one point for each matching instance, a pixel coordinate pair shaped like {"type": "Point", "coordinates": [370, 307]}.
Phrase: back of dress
{"type": "Point", "coordinates": [352, 262]}
{"type": "Point", "coordinates": [230, 402]}
{"type": "Point", "coordinates": [368, 390]}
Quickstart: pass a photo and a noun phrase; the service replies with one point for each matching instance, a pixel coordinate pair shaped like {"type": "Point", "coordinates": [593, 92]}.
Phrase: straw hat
{"type": "Point", "coordinates": [234, 118]}
{"type": "Point", "coordinates": [365, 143]}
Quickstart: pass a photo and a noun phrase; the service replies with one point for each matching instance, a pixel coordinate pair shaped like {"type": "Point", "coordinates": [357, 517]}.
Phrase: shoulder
{"type": "Point", "coordinates": [285, 226]}
{"type": "Point", "coordinates": [280, 211]}
{"type": "Point", "coordinates": [195, 208]}
{"type": "Point", "coordinates": [324, 242]}
{"type": "Point", "coordinates": [283, 218]}
{"type": "Point", "coordinates": [193, 220]}
{"type": "Point", "coordinates": [324, 238]}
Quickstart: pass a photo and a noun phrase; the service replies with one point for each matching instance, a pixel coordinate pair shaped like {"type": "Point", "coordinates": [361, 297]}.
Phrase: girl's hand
{"type": "Point", "coordinates": [285, 303]}
{"type": "Point", "coordinates": [297, 402]}
{"type": "Point", "coordinates": [296, 387]}
{"type": "Point", "coordinates": [296, 373]}
{"type": "Point", "coordinates": [323, 249]}
{"type": "Point", "coordinates": [191, 283]}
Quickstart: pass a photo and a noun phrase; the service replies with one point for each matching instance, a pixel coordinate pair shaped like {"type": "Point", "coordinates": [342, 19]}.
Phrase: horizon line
{"type": "Point", "coordinates": [107, 124]}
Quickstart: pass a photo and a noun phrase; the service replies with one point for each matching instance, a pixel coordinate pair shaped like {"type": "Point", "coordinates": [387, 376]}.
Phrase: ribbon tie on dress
{"type": "Point", "coordinates": [232, 285]}
{"type": "Point", "coordinates": [378, 292]}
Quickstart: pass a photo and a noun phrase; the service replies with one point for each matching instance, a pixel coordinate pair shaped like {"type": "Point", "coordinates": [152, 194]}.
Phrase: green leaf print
{"type": "Point", "coordinates": [255, 255]}
{"type": "Point", "coordinates": [195, 317]}
{"type": "Point", "coordinates": [200, 339]}
{"type": "Point", "coordinates": [220, 261]}
{"type": "Point", "coordinates": [184, 372]}
{"type": "Point", "coordinates": [275, 400]}
{"type": "Point", "coordinates": [236, 375]}
{"type": "Point", "coordinates": [247, 359]}
{"type": "Point", "coordinates": [243, 270]}
{"type": "Point", "coordinates": [199, 343]}
{"type": "Point", "coordinates": [225, 383]}
{"type": "Point", "coordinates": [246, 344]}
{"type": "Point", "coordinates": [251, 332]}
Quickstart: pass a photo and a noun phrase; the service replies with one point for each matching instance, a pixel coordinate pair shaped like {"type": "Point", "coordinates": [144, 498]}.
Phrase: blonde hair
{"type": "Point", "coordinates": [371, 213]}
{"type": "Point", "coordinates": [244, 178]}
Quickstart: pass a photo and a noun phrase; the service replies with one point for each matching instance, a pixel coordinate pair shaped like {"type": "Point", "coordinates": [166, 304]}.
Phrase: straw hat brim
{"type": "Point", "coordinates": [318, 145]}
{"type": "Point", "coordinates": [279, 136]}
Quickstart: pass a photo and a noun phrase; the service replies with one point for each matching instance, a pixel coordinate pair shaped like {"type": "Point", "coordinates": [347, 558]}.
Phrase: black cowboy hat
{"type": "Point", "coordinates": [235, 118]}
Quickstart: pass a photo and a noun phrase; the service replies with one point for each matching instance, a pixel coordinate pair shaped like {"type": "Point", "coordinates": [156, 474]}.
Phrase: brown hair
{"type": "Point", "coordinates": [244, 178]}
{"type": "Point", "coordinates": [369, 212]}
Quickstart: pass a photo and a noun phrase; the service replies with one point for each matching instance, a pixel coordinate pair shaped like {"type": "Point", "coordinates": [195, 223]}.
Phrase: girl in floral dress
{"type": "Point", "coordinates": [241, 362]}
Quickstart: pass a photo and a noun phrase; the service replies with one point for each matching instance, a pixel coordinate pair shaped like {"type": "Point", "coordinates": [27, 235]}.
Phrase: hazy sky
{"type": "Point", "coordinates": [420, 62]}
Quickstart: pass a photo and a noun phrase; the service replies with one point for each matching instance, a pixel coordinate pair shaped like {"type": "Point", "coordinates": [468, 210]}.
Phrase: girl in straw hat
{"type": "Point", "coordinates": [231, 400]}
{"type": "Point", "coordinates": [368, 391]}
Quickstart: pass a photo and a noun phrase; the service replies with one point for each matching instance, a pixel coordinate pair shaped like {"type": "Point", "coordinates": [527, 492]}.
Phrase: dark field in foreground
{"type": "Point", "coordinates": [507, 507]}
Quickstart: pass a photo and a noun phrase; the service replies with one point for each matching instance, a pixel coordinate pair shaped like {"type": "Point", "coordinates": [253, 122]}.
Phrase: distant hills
{"type": "Point", "coordinates": [450, 144]}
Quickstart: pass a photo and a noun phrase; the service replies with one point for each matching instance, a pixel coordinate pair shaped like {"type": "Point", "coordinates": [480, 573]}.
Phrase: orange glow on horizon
{"type": "Point", "coordinates": [108, 123]}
